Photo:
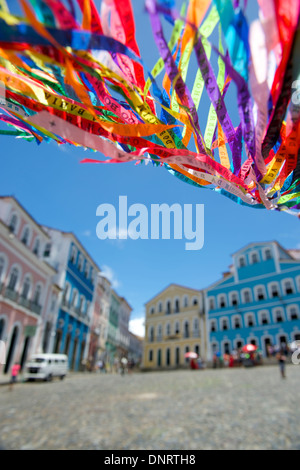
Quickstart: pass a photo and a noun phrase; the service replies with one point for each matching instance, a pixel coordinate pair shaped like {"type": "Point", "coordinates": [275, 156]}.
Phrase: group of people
{"type": "Point", "coordinates": [237, 358]}
{"type": "Point", "coordinates": [121, 366]}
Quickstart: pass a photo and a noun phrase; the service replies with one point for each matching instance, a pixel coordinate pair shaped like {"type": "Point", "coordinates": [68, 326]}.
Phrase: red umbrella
{"type": "Point", "coordinates": [249, 348]}
{"type": "Point", "coordinates": [191, 355]}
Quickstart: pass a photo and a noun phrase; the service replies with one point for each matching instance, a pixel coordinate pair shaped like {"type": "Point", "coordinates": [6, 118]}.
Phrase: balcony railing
{"type": "Point", "coordinates": [196, 334]}
{"type": "Point", "coordinates": [36, 308]}
{"type": "Point", "coordinates": [11, 294]}
{"type": "Point", "coordinates": [24, 302]}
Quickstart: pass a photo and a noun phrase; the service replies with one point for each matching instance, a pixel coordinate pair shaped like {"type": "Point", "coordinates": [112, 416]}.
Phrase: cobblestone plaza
{"type": "Point", "coordinates": [180, 410]}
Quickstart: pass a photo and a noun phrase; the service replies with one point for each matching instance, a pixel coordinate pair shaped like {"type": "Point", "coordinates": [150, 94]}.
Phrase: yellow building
{"type": "Point", "coordinates": [175, 324]}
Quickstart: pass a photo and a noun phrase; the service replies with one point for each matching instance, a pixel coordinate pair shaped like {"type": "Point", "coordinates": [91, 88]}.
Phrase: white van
{"type": "Point", "coordinates": [46, 367]}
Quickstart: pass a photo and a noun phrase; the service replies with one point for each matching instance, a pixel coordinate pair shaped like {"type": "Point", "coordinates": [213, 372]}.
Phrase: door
{"type": "Point", "coordinates": [58, 338]}
{"type": "Point", "coordinates": [25, 351]}
{"type": "Point", "coordinates": [11, 349]}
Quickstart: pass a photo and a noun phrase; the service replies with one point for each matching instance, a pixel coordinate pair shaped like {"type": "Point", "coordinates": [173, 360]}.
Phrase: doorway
{"type": "Point", "coordinates": [25, 351]}
{"type": "Point", "coordinates": [11, 349]}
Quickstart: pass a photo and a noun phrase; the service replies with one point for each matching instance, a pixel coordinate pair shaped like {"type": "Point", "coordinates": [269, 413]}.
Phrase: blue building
{"type": "Point", "coordinates": [257, 301]}
{"type": "Point", "coordinates": [76, 276]}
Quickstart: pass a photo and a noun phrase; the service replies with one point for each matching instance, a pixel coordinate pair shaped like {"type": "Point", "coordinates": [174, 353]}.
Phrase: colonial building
{"type": "Point", "coordinates": [257, 301]}
{"type": "Point", "coordinates": [123, 337]}
{"type": "Point", "coordinates": [76, 273]}
{"type": "Point", "coordinates": [175, 325]}
{"type": "Point", "coordinates": [28, 293]}
{"type": "Point", "coordinates": [135, 352]}
{"type": "Point", "coordinates": [105, 310]}
{"type": "Point", "coordinates": [113, 324]}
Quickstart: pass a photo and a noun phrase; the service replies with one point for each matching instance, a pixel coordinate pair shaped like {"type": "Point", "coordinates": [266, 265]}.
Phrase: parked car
{"type": "Point", "coordinates": [46, 367]}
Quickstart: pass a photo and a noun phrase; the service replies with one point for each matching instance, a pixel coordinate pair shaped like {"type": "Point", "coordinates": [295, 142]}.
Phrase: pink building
{"type": "Point", "coordinates": [28, 298]}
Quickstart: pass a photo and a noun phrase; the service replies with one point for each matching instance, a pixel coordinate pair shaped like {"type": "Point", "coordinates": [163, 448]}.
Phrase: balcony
{"type": "Point", "coordinates": [24, 302]}
{"type": "Point", "coordinates": [172, 337]}
{"type": "Point", "coordinates": [36, 308]}
{"type": "Point", "coordinates": [196, 334]}
{"type": "Point", "coordinates": [11, 294]}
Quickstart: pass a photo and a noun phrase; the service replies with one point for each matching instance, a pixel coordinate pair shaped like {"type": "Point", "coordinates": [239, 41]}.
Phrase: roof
{"type": "Point", "coordinates": [173, 285]}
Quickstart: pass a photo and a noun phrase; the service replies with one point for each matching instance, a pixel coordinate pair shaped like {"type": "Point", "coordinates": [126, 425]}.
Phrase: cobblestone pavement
{"type": "Point", "coordinates": [176, 410]}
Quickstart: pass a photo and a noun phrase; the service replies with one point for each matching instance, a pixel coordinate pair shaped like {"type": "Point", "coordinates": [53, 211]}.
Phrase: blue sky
{"type": "Point", "coordinates": [58, 191]}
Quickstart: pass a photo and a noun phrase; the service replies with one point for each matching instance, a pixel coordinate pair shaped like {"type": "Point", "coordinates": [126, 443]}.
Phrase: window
{"type": "Point", "coordinates": [268, 254]}
{"type": "Point", "coordinates": [13, 224]}
{"type": "Point", "coordinates": [234, 298]}
{"type": "Point", "coordinates": [81, 305]}
{"type": "Point", "coordinates": [47, 250]}
{"type": "Point", "coordinates": [177, 309]}
{"type": "Point", "coordinates": [2, 265]}
{"type": "Point", "coordinates": [288, 287]}
{"type": "Point", "coordinates": [177, 328]}
{"type": "Point", "coordinates": [151, 334]}
{"type": "Point", "coordinates": [241, 262]}
{"type": "Point", "coordinates": [80, 263]}
{"type": "Point", "coordinates": [224, 324]}
{"type": "Point", "coordinates": [168, 308]}
{"type": "Point", "coordinates": [274, 290]}
{"type": "Point", "coordinates": [66, 293]}
{"type": "Point", "coordinates": [185, 302]}
{"type": "Point", "coordinates": [226, 347]}
{"type": "Point", "coordinates": [237, 323]}
{"type": "Point", "coordinates": [196, 325]}
{"type": "Point", "coordinates": [14, 276]}
{"type": "Point", "coordinates": [278, 316]}
{"type": "Point", "coordinates": [87, 270]}
{"type": "Point", "coordinates": [168, 329]}
{"type": "Point", "coordinates": [211, 304]}
{"type": "Point", "coordinates": [73, 255]}
{"type": "Point", "coordinates": [74, 298]}
{"type": "Point", "coordinates": [264, 318]}
{"type": "Point", "coordinates": [213, 326]}
{"type": "Point", "coordinates": [26, 288]}
{"type": "Point", "coordinates": [254, 258]}
{"type": "Point", "coordinates": [150, 355]}
{"type": "Point", "coordinates": [160, 307]}
{"type": "Point", "coordinates": [37, 295]}
{"type": "Point", "coordinates": [250, 320]}
{"type": "Point", "coordinates": [222, 301]}
{"type": "Point", "coordinates": [159, 333]}
{"type": "Point", "coordinates": [293, 313]}
{"type": "Point", "coordinates": [195, 302]}
{"type": "Point", "coordinates": [36, 248]}
{"type": "Point", "coordinates": [246, 296]}
{"type": "Point", "coordinates": [260, 293]}
{"type": "Point", "coordinates": [152, 310]}
{"type": "Point", "coordinates": [186, 329]}
{"type": "Point", "coordinates": [25, 236]}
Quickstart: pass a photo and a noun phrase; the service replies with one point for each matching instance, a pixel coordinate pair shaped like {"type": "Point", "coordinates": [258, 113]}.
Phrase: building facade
{"type": "Point", "coordinates": [136, 344]}
{"type": "Point", "coordinates": [113, 324]}
{"type": "Point", "coordinates": [257, 302]}
{"type": "Point", "coordinates": [76, 273]}
{"type": "Point", "coordinates": [123, 336]}
{"type": "Point", "coordinates": [28, 295]}
{"type": "Point", "coordinates": [175, 325]}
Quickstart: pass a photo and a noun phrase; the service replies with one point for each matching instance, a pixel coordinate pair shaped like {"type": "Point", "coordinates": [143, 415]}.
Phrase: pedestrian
{"type": "Point", "coordinates": [215, 359]}
{"type": "Point", "coordinates": [14, 374]}
{"type": "Point", "coordinates": [281, 357]}
{"type": "Point", "coordinates": [124, 363]}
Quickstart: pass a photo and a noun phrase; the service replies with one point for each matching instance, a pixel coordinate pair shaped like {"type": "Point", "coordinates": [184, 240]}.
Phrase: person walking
{"type": "Point", "coordinates": [14, 374]}
{"type": "Point", "coordinates": [281, 357]}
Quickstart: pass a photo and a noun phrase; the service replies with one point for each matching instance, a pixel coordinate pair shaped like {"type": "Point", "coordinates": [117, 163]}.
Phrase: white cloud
{"type": "Point", "coordinates": [137, 326]}
{"type": "Point", "coordinates": [107, 272]}
{"type": "Point", "coordinates": [87, 233]}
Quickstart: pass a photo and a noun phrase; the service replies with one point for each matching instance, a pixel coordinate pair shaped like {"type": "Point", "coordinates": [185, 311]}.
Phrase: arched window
{"type": "Point", "coordinates": [66, 293]}
{"type": "Point", "coordinates": [186, 329]}
{"type": "Point", "coordinates": [211, 303]}
{"type": "Point", "coordinates": [74, 298]}
{"type": "Point", "coordinates": [26, 288]}
{"type": "Point", "coordinates": [168, 356]}
{"type": "Point", "coordinates": [233, 298]}
{"type": "Point", "coordinates": [224, 324]}
{"type": "Point", "coordinates": [250, 321]}
{"type": "Point", "coordinates": [274, 290]}
{"type": "Point", "coordinates": [47, 250]}
{"type": "Point", "coordinates": [278, 315]}
{"type": "Point", "coordinates": [25, 236]}
{"type": "Point", "coordinates": [168, 329]}
{"type": "Point", "coordinates": [264, 318]}
{"type": "Point", "coordinates": [185, 301]}
{"type": "Point", "coordinates": [288, 287]}
{"type": "Point", "coordinates": [168, 311]}
{"type": "Point", "coordinates": [37, 295]}
{"type": "Point", "coordinates": [81, 305]}
{"type": "Point", "coordinates": [177, 306]}
{"type": "Point", "coordinates": [237, 322]}
{"type": "Point", "coordinates": [159, 333]}
{"type": "Point", "coordinates": [151, 334]}
{"type": "Point", "coordinates": [36, 248]}
{"type": "Point", "coordinates": [13, 224]}
{"type": "Point", "coordinates": [260, 293]}
{"type": "Point", "coordinates": [242, 262]}
{"type": "Point", "coordinates": [246, 294]}
{"type": "Point", "coordinates": [73, 255]}
{"type": "Point", "coordinates": [160, 307]}
{"type": "Point", "coordinates": [2, 267]}
{"type": "Point", "coordinates": [222, 301]}
{"type": "Point", "coordinates": [150, 355]}
{"type": "Point", "coordinates": [152, 310]}
{"type": "Point", "coordinates": [213, 326]}
{"type": "Point", "coordinates": [254, 258]}
{"type": "Point", "coordinates": [177, 328]}
{"type": "Point", "coordinates": [195, 301]}
{"type": "Point", "coordinates": [267, 254]}
{"type": "Point", "coordinates": [293, 312]}
{"type": "Point", "coordinates": [13, 280]}
{"type": "Point", "coordinates": [80, 263]}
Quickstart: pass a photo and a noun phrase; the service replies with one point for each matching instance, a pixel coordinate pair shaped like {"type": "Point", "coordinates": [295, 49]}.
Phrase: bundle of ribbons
{"type": "Point", "coordinates": [73, 74]}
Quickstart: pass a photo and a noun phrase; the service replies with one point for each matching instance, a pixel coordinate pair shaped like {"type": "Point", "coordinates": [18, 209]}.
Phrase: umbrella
{"type": "Point", "coordinates": [191, 355]}
{"type": "Point", "coordinates": [249, 348]}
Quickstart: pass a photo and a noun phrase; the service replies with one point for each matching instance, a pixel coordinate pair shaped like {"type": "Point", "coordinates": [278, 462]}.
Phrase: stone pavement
{"type": "Point", "coordinates": [177, 410]}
